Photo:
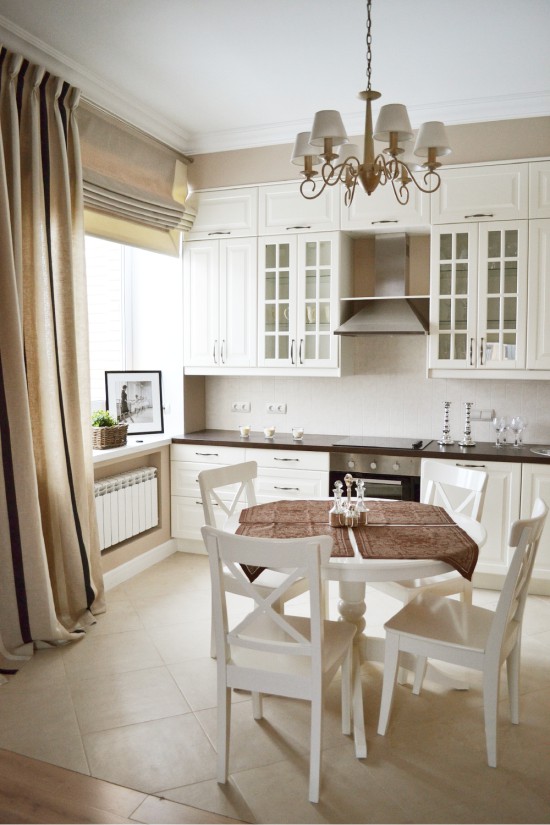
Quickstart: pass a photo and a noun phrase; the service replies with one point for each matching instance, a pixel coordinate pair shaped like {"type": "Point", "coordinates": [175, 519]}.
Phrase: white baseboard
{"type": "Point", "coordinates": [131, 568]}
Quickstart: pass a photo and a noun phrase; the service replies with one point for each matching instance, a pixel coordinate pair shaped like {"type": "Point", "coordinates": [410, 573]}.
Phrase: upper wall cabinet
{"type": "Point", "coordinates": [283, 209]}
{"type": "Point", "coordinates": [381, 211]}
{"type": "Point", "coordinates": [482, 193]}
{"type": "Point", "coordinates": [539, 189]}
{"type": "Point", "coordinates": [225, 213]}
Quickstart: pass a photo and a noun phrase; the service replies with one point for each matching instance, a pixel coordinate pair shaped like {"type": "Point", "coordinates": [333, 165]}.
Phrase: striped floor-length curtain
{"type": "Point", "coordinates": [50, 576]}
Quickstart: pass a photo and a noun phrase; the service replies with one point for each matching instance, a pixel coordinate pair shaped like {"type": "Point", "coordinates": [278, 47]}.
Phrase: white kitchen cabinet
{"type": "Point", "coordinates": [535, 483]}
{"type": "Point", "coordinates": [478, 309]}
{"type": "Point", "coordinates": [381, 212]}
{"type": "Point", "coordinates": [473, 194]}
{"type": "Point", "coordinates": [220, 303]}
{"type": "Point", "coordinates": [300, 281]}
{"type": "Point", "coordinates": [283, 209]}
{"type": "Point", "coordinates": [225, 213]}
{"type": "Point", "coordinates": [538, 329]}
{"type": "Point", "coordinates": [290, 474]}
{"type": "Point", "coordinates": [500, 508]}
{"type": "Point", "coordinates": [539, 189]}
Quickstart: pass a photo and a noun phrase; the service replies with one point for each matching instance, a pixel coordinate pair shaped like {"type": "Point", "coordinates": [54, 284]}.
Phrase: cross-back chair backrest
{"type": "Point", "coordinates": [457, 489]}
{"type": "Point", "coordinates": [299, 558]}
{"type": "Point", "coordinates": [215, 486]}
{"type": "Point", "coordinates": [524, 537]}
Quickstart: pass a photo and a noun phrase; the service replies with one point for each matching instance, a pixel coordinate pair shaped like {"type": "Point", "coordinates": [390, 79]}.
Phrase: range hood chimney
{"type": "Point", "coordinates": [391, 310]}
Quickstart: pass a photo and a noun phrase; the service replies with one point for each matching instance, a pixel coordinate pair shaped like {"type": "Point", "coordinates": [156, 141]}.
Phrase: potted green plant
{"type": "Point", "coordinates": [107, 431]}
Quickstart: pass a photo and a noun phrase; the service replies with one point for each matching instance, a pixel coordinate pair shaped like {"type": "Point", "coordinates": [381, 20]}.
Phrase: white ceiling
{"type": "Point", "coordinates": [210, 75]}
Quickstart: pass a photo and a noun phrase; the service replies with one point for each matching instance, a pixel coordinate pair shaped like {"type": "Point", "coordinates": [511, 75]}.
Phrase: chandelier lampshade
{"type": "Point", "coordinates": [393, 118]}
{"type": "Point", "coordinates": [432, 135]}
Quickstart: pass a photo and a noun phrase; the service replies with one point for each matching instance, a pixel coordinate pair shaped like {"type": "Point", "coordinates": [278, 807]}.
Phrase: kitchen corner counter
{"type": "Point", "coordinates": [483, 451]}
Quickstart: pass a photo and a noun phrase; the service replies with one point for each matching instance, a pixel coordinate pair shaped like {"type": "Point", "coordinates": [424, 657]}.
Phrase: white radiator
{"type": "Point", "coordinates": [126, 504]}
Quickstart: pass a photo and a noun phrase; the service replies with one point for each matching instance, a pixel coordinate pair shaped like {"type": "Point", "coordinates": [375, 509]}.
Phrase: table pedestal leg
{"type": "Point", "coordinates": [351, 608]}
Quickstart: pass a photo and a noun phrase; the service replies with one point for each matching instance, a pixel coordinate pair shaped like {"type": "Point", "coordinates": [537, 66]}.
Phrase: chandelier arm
{"type": "Point", "coordinates": [428, 188]}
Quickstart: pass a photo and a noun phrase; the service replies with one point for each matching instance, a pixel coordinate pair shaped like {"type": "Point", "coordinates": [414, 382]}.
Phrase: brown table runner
{"type": "Point", "coordinates": [395, 530]}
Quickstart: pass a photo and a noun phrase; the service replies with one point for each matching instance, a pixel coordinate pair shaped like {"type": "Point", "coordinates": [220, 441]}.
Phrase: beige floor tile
{"type": "Point", "coordinates": [178, 643]}
{"type": "Point", "coordinates": [172, 608]}
{"type": "Point", "coordinates": [44, 666]}
{"type": "Point", "coordinates": [165, 812]}
{"type": "Point", "coordinates": [41, 723]}
{"type": "Point", "coordinates": [117, 699]}
{"type": "Point", "coordinates": [119, 617]}
{"type": "Point", "coordinates": [110, 653]}
{"type": "Point", "coordinates": [196, 678]}
{"type": "Point", "coordinates": [225, 800]}
{"type": "Point", "coordinates": [152, 756]}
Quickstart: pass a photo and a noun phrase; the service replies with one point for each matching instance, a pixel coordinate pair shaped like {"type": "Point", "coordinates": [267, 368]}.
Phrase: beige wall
{"type": "Point", "coordinates": [472, 143]}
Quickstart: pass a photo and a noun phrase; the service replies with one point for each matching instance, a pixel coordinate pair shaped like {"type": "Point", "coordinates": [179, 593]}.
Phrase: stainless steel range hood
{"type": "Point", "coordinates": [391, 310]}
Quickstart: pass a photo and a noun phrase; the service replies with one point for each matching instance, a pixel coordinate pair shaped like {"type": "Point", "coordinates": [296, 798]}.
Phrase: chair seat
{"type": "Point", "coordinates": [443, 620]}
{"type": "Point", "coordinates": [447, 584]}
{"type": "Point", "coordinates": [336, 636]}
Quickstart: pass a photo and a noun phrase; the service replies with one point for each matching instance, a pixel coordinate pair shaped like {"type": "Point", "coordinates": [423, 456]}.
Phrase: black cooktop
{"type": "Point", "coordinates": [384, 443]}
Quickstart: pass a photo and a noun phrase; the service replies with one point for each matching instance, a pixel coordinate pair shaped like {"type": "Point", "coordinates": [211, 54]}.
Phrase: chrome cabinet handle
{"type": "Point", "coordinates": [220, 232]}
{"type": "Point", "coordinates": [285, 488]}
{"type": "Point", "coordinates": [285, 459]}
{"type": "Point", "coordinates": [297, 227]}
{"type": "Point", "coordinates": [471, 352]}
{"type": "Point", "coordinates": [222, 354]}
{"type": "Point", "coordinates": [475, 466]}
{"type": "Point", "coordinates": [481, 347]}
{"type": "Point", "coordinates": [216, 454]}
{"type": "Point", "coordinates": [292, 351]}
{"type": "Point", "coordinates": [480, 215]}
{"type": "Point", "coordinates": [214, 351]}
{"type": "Point", "coordinates": [300, 351]}
{"type": "Point", "coordinates": [386, 220]}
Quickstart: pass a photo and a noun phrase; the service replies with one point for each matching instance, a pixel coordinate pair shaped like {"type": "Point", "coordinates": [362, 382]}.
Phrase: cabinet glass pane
{"type": "Point", "coordinates": [324, 253]}
{"type": "Point", "coordinates": [324, 315]}
{"type": "Point", "coordinates": [510, 313]}
{"type": "Point", "coordinates": [444, 347]}
{"type": "Point", "coordinates": [311, 254]}
{"type": "Point", "coordinates": [283, 346]}
{"type": "Point", "coordinates": [324, 284]}
{"type": "Point", "coordinates": [324, 346]}
{"type": "Point", "coordinates": [310, 316]}
{"type": "Point", "coordinates": [283, 286]}
{"type": "Point", "coordinates": [309, 349]}
{"type": "Point", "coordinates": [445, 314]}
{"type": "Point", "coordinates": [493, 313]}
{"type": "Point", "coordinates": [511, 276]}
{"type": "Point", "coordinates": [270, 318]}
{"type": "Point", "coordinates": [493, 278]}
{"type": "Point", "coordinates": [270, 256]}
{"type": "Point", "coordinates": [460, 346]}
{"type": "Point", "coordinates": [461, 313]}
{"type": "Point", "coordinates": [461, 277]}
{"type": "Point", "coordinates": [445, 247]}
{"type": "Point", "coordinates": [269, 346]}
{"type": "Point", "coordinates": [284, 255]}
{"type": "Point", "coordinates": [493, 244]}
{"type": "Point", "coordinates": [511, 243]}
{"type": "Point", "coordinates": [462, 245]}
{"type": "Point", "coordinates": [311, 285]}
{"type": "Point", "coordinates": [445, 279]}
{"type": "Point", "coordinates": [283, 317]}
{"type": "Point", "coordinates": [270, 286]}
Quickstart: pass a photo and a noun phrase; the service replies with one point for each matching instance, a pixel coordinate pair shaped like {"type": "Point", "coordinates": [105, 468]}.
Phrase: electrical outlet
{"type": "Point", "coordinates": [481, 415]}
{"type": "Point", "coordinates": [276, 407]}
{"type": "Point", "coordinates": [240, 406]}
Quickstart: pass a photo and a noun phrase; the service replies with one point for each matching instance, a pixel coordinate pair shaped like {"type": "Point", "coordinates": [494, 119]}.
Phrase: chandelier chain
{"type": "Point", "coordinates": [369, 44]}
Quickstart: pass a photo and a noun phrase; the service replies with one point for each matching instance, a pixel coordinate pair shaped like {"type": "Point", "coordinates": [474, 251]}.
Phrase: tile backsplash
{"type": "Point", "coordinates": [387, 394]}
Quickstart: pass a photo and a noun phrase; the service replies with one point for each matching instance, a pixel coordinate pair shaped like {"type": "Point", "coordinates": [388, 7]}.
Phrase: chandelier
{"type": "Point", "coordinates": [340, 164]}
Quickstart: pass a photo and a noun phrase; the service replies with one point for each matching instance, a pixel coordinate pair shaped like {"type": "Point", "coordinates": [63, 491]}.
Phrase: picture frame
{"type": "Point", "coordinates": [134, 397]}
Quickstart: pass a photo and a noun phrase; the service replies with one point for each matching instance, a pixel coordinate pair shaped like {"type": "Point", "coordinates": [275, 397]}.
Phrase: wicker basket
{"type": "Point", "coordinates": [105, 437]}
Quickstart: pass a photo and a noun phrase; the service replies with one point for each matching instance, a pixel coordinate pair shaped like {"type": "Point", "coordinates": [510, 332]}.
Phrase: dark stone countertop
{"type": "Point", "coordinates": [483, 451]}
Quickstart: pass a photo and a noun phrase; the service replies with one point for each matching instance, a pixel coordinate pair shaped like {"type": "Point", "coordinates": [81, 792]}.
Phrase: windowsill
{"type": "Point", "coordinates": [135, 445]}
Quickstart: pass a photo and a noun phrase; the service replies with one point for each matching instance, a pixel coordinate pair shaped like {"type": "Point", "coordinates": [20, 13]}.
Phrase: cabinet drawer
{"type": "Point", "coordinates": [275, 484]}
{"type": "Point", "coordinates": [289, 459]}
{"type": "Point", "coordinates": [207, 454]}
{"type": "Point", "coordinates": [482, 193]}
{"type": "Point", "coordinates": [187, 518]}
{"type": "Point", "coordinates": [184, 479]}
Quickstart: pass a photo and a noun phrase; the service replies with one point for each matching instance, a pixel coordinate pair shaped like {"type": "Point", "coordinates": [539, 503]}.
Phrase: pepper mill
{"type": "Point", "coordinates": [446, 437]}
{"type": "Point", "coordinates": [467, 441]}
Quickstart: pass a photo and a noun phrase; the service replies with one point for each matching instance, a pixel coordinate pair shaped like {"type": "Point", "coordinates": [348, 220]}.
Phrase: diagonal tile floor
{"type": "Point", "coordinates": [134, 703]}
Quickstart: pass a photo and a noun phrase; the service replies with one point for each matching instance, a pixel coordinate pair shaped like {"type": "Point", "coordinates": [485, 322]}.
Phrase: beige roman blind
{"type": "Point", "coordinates": [135, 187]}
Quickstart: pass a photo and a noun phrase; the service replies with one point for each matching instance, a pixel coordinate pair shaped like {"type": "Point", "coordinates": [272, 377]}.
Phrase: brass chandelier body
{"type": "Point", "coordinates": [381, 169]}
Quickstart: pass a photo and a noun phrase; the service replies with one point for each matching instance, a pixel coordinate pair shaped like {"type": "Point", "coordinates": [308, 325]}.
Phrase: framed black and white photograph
{"type": "Point", "coordinates": [135, 398]}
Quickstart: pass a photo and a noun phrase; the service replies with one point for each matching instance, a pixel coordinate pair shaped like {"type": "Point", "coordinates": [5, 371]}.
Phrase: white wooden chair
{"type": "Point", "coordinates": [463, 634]}
{"type": "Point", "coordinates": [225, 490]}
{"type": "Point", "coordinates": [268, 652]}
{"type": "Point", "coordinates": [458, 490]}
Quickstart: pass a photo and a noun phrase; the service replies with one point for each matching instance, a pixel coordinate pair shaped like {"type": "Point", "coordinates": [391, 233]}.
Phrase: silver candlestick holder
{"type": "Point", "coordinates": [467, 441]}
{"type": "Point", "coordinates": [446, 437]}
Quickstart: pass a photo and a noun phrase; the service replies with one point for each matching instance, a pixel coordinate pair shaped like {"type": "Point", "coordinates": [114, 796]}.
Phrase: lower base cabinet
{"type": "Point", "coordinates": [282, 474]}
{"type": "Point", "coordinates": [535, 483]}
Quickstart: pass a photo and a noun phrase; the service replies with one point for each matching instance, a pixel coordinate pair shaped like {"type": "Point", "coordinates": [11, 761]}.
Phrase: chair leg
{"type": "Point", "coordinates": [315, 747]}
{"type": "Point", "coordinates": [490, 710]}
{"type": "Point", "coordinates": [391, 661]}
{"type": "Point", "coordinates": [212, 642]}
{"type": "Point", "coordinates": [257, 705]}
{"type": "Point", "coordinates": [512, 674]}
{"type": "Point", "coordinates": [346, 694]}
{"type": "Point", "coordinates": [224, 728]}
{"type": "Point", "coordinates": [466, 592]}
{"type": "Point", "coordinates": [419, 673]}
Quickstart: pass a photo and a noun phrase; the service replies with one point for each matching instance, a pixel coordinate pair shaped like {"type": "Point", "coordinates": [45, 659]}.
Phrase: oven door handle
{"type": "Point", "coordinates": [393, 482]}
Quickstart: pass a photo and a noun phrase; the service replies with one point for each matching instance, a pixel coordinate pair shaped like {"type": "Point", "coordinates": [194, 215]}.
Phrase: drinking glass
{"type": "Point", "coordinates": [517, 425]}
{"type": "Point", "coordinates": [500, 425]}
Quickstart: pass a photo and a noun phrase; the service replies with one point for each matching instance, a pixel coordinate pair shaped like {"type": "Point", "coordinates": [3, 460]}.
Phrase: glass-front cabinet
{"type": "Point", "coordinates": [479, 296]}
{"type": "Point", "coordinates": [298, 300]}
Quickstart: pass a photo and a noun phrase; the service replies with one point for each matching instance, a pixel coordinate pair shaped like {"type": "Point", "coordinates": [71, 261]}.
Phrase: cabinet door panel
{"type": "Point", "coordinates": [535, 483]}
{"type": "Point", "coordinates": [538, 331]}
{"type": "Point", "coordinates": [539, 189]}
{"type": "Point", "coordinates": [482, 193]}
{"type": "Point", "coordinates": [238, 303]}
{"type": "Point", "coordinates": [225, 213]}
{"type": "Point", "coordinates": [277, 345]}
{"type": "Point", "coordinates": [283, 208]}
{"type": "Point", "coordinates": [382, 211]}
{"type": "Point", "coordinates": [201, 303]}
{"type": "Point", "coordinates": [317, 301]}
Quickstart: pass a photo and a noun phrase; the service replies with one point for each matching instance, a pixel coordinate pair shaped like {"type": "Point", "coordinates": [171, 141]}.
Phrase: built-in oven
{"type": "Point", "coordinates": [385, 476]}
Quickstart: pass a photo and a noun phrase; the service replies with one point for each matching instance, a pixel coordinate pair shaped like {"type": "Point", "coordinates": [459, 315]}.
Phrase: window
{"type": "Point", "coordinates": [135, 318]}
